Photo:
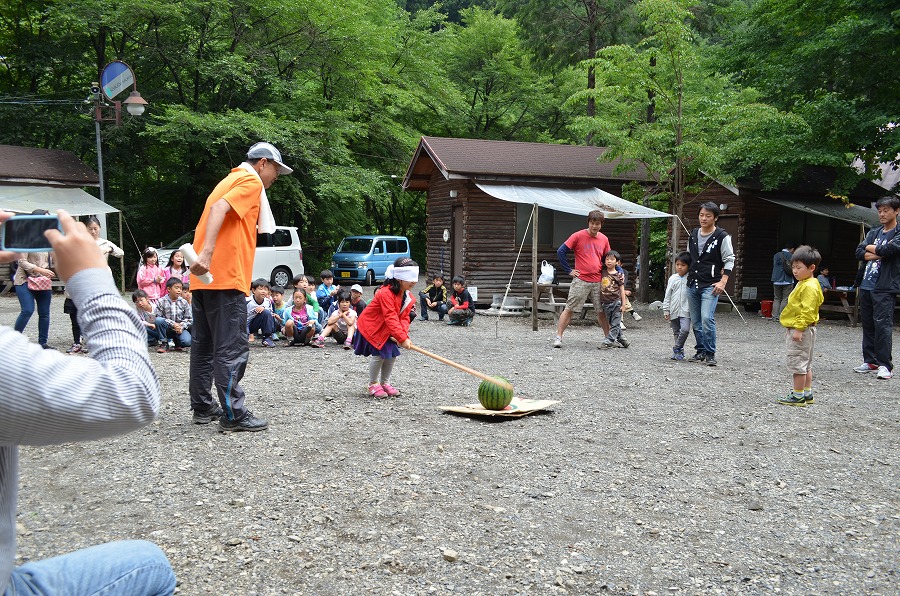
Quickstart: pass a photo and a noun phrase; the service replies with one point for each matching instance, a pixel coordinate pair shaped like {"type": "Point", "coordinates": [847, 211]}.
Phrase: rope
{"type": "Point", "coordinates": [511, 275]}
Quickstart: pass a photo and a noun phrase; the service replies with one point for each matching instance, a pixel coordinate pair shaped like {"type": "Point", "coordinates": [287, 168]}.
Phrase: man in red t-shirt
{"type": "Point", "coordinates": [590, 247]}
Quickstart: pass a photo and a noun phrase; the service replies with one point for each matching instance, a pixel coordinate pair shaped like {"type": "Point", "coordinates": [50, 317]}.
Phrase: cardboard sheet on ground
{"type": "Point", "coordinates": [517, 408]}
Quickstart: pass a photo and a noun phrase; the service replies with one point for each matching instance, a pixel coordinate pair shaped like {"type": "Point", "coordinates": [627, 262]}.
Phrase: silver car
{"type": "Point", "coordinates": [279, 256]}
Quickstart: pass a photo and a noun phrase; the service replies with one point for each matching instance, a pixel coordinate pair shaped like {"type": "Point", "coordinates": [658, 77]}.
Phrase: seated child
{"type": "Point", "coordinates": [278, 308]}
{"type": "Point", "coordinates": [259, 313]}
{"type": "Point", "coordinates": [302, 326]}
{"type": "Point", "coordinates": [186, 291]}
{"type": "Point", "coordinates": [173, 317]}
{"type": "Point", "coordinates": [824, 279]}
{"type": "Point", "coordinates": [612, 300]}
{"type": "Point", "coordinates": [434, 297]}
{"type": "Point", "coordinates": [326, 291]}
{"type": "Point", "coordinates": [462, 307]}
{"type": "Point", "coordinates": [341, 323]}
{"type": "Point", "coordinates": [675, 304]}
{"type": "Point", "coordinates": [309, 286]}
{"type": "Point", "coordinates": [356, 300]}
{"type": "Point", "coordinates": [145, 312]}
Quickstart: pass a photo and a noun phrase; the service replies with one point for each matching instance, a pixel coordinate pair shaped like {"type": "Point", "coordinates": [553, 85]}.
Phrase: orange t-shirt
{"type": "Point", "coordinates": [232, 259]}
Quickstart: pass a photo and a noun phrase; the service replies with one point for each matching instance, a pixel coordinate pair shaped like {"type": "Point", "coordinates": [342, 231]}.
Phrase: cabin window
{"type": "Point", "coordinates": [546, 218]}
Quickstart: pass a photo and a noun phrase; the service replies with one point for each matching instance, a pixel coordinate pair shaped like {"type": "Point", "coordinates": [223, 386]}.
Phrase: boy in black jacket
{"type": "Point", "coordinates": [434, 297]}
{"type": "Point", "coordinates": [880, 252]}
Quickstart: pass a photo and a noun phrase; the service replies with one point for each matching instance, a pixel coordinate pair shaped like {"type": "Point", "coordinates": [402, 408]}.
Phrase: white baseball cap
{"type": "Point", "coordinates": [269, 151]}
{"type": "Point", "coordinates": [356, 288]}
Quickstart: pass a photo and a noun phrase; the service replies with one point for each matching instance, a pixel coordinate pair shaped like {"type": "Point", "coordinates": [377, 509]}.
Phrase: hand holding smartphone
{"type": "Point", "coordinates": [25, 233]}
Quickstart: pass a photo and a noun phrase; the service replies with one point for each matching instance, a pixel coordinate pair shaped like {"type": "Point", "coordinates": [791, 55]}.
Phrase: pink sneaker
{"type": "Point", "coordinates": [390, 389]}
{"type": "Point", "coordinates": [375, 390]}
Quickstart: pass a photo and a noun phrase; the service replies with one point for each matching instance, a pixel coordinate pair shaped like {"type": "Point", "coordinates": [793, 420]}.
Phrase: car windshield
{"type": "Point", "coordinates": [188, 237]}
{"type": "Point", "coordinates": [355, 245]}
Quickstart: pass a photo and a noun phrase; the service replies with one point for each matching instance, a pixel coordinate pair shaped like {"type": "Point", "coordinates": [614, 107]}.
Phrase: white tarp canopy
{"type": "Point", "coordinates": [834, 209]}
{"type": "Point", "coordinates": [577, 201]}
{"type": "Point", "coordinates": [25, 199]}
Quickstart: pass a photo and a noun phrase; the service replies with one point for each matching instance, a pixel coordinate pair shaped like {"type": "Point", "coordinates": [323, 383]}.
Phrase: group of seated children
{"type": "Point", "coordinates": [458, 306]}
{"type": "Point", "coordinates": [305, 321]}
{"type": "Point", "coordinates": [168, 321]}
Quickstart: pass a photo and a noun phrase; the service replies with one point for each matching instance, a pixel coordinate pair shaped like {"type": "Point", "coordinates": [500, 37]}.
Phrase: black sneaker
{"type": "Point", "coordinates": [698, 357]}
{"type": "Point", "coordinates": [711, 360]}
{"type": "Point", "coordinates": [624, 342]}
{"type": "Point", "coordinates": [248, 423]}
{"type": "Point", "coordinates": [792, 400]}
{"type": "Point", "coordinates": [208, 416]}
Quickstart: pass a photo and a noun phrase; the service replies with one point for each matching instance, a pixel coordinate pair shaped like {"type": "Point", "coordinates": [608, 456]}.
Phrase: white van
{"type": "Point", "coordinates": [279, 256]}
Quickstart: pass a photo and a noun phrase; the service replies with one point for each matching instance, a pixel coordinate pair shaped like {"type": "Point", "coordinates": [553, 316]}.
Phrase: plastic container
{"type": "Point", "coordinates": [765, 308]}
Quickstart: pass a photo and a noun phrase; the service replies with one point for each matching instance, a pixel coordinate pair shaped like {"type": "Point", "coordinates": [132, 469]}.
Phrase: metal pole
{"type": "Point", "coordinates": [99, 151]}
{"type": "Point", "coordinates": [122, 260]}
{"type": "Point", "coordinates": [534, 269]}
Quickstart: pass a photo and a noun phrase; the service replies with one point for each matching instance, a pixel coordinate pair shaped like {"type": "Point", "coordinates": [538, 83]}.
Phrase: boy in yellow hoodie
{"type": "Point", "coordinates": [799, 319]}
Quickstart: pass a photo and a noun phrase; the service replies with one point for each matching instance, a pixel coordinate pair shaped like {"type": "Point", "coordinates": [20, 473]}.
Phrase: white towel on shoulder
{"type": "Point", "coordinates": [266, 222]}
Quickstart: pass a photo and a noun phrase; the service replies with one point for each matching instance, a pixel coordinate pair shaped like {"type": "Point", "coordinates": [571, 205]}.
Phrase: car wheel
{"type": "Point", "coordinates": [370, 278]}
{"type": "Point", "coordinates": [281, 276]}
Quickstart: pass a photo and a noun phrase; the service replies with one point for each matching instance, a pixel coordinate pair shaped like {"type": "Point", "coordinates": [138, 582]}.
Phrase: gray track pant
{"type": "Point", "coordinates": [219, 350]}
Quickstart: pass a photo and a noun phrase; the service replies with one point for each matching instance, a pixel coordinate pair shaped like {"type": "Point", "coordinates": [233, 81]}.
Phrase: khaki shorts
{"type": "Point", "coordinates": [800, 353]}
{"type": "Point", "coordinates": [579, 292]}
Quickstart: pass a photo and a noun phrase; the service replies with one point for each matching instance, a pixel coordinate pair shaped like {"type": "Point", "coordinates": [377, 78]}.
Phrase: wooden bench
{"type": "Point", "coordinates": [549, 301]}
{"type": "Point", "coordinates": [839, 301]}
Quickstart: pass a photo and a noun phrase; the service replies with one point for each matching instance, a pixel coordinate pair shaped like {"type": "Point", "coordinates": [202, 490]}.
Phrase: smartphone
{"type": "Point", "coordinates": [25, 233]}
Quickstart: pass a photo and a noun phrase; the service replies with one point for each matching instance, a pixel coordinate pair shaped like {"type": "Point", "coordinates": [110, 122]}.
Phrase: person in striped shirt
{"type": "Point", "coordinates": [114, 392]}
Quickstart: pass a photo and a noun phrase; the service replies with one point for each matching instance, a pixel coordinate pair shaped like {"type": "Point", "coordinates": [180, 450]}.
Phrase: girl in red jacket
{"type": "Point", "coordinates": [384, 324]}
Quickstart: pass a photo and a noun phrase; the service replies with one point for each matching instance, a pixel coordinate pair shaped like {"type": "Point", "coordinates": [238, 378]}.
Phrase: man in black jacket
{"type": "Point", "coordinates": [712, 259]}
{"type": "Point", "coordinates": [878, 289]}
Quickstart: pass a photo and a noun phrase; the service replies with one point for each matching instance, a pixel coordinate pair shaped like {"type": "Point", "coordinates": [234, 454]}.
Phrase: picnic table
{"type": "Point", "coordinates": [552, 299]}
{"type": "Point", "coordinates": [839, 301]}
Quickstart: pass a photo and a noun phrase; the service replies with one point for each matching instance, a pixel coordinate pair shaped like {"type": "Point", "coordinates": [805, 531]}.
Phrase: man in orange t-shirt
{"type": "Point", "coordinates": [225, 242]}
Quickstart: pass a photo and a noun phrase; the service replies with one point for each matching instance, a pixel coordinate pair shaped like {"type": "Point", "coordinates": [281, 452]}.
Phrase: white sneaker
{"type": "Point", "coordinates": [865, 367]}
{"type": "Point", "coordinates": [622, 326]}
{"type": "Point", "coordinates": [636, 316]}
{"type": "Point", "coordinates": [884, 373]}
{"type": "Point", "coordinates": [557, 342]}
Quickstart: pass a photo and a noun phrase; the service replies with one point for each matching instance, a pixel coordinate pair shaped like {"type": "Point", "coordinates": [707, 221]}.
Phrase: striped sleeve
{"type": "Point", "coordinates": [48, 397]}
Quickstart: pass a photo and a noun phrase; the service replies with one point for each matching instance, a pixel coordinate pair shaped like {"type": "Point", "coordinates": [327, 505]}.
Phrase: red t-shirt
{"type": "Point", "coordinates": [589, 252]}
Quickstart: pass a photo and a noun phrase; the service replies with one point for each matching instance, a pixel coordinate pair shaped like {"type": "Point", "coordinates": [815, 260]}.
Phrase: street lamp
{"type": "Point", "coordinates": [116, 78]}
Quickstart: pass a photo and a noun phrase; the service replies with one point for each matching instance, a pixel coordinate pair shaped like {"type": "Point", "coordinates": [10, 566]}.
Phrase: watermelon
{"type": "Point", "coordinates": [493, 396]}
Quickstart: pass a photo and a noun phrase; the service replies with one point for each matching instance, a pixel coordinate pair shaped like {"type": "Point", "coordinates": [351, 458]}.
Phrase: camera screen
{"type": "Point", "coordinates": [28, 233]}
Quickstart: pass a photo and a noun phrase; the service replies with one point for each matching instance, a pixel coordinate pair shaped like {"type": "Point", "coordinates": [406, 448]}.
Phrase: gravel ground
{"type": "Point", "coordinates": [650, 476]}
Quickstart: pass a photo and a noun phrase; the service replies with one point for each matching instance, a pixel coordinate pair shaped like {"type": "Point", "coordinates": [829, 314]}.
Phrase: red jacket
{"type": "Point", "coordinates": [386, 316]}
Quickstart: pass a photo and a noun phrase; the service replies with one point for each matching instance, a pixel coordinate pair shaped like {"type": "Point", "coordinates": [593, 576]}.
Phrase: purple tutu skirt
{"type": "Point", "coordinates": [362, 347]}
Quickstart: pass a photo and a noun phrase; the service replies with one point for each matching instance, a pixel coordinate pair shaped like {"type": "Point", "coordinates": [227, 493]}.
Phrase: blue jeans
{"type": "Point", "coordinates": [182, 339]}
{"type": "Point", "coordinates": [441, 309]}
{"type": "Point", "coordinates": [134, 567]}
{"type": "Point", "coordinates": [702, 304]}
{"type": "Point", "coordinates": [27, 298]}
{"type": "Point", "coordinates": [154, 336]}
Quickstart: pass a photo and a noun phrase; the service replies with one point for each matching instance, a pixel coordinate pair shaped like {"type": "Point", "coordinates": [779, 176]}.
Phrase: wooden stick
{"type": "Point", "coordinates": [466, 369]}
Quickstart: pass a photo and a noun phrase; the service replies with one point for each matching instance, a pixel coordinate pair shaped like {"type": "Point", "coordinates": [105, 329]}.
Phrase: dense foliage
{"type": "Point", "coordinates": [346, 88]}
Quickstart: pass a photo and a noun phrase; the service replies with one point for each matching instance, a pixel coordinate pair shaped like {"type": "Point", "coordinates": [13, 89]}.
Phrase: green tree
{"type": "Point", "coordinates": [497, 92]}
{"type": "Point", "coordinates": [562, 33]}
{"type": "Point", "coordinates": [662, 106]}
{"type": "Point", "coordinates": [830, 65]}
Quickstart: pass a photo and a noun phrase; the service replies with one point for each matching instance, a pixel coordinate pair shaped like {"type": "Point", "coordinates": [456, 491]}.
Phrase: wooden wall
{"type": "Point", "coordinates": [489, 246]}
{"type": "Point", "coordinates": [757, 238]}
